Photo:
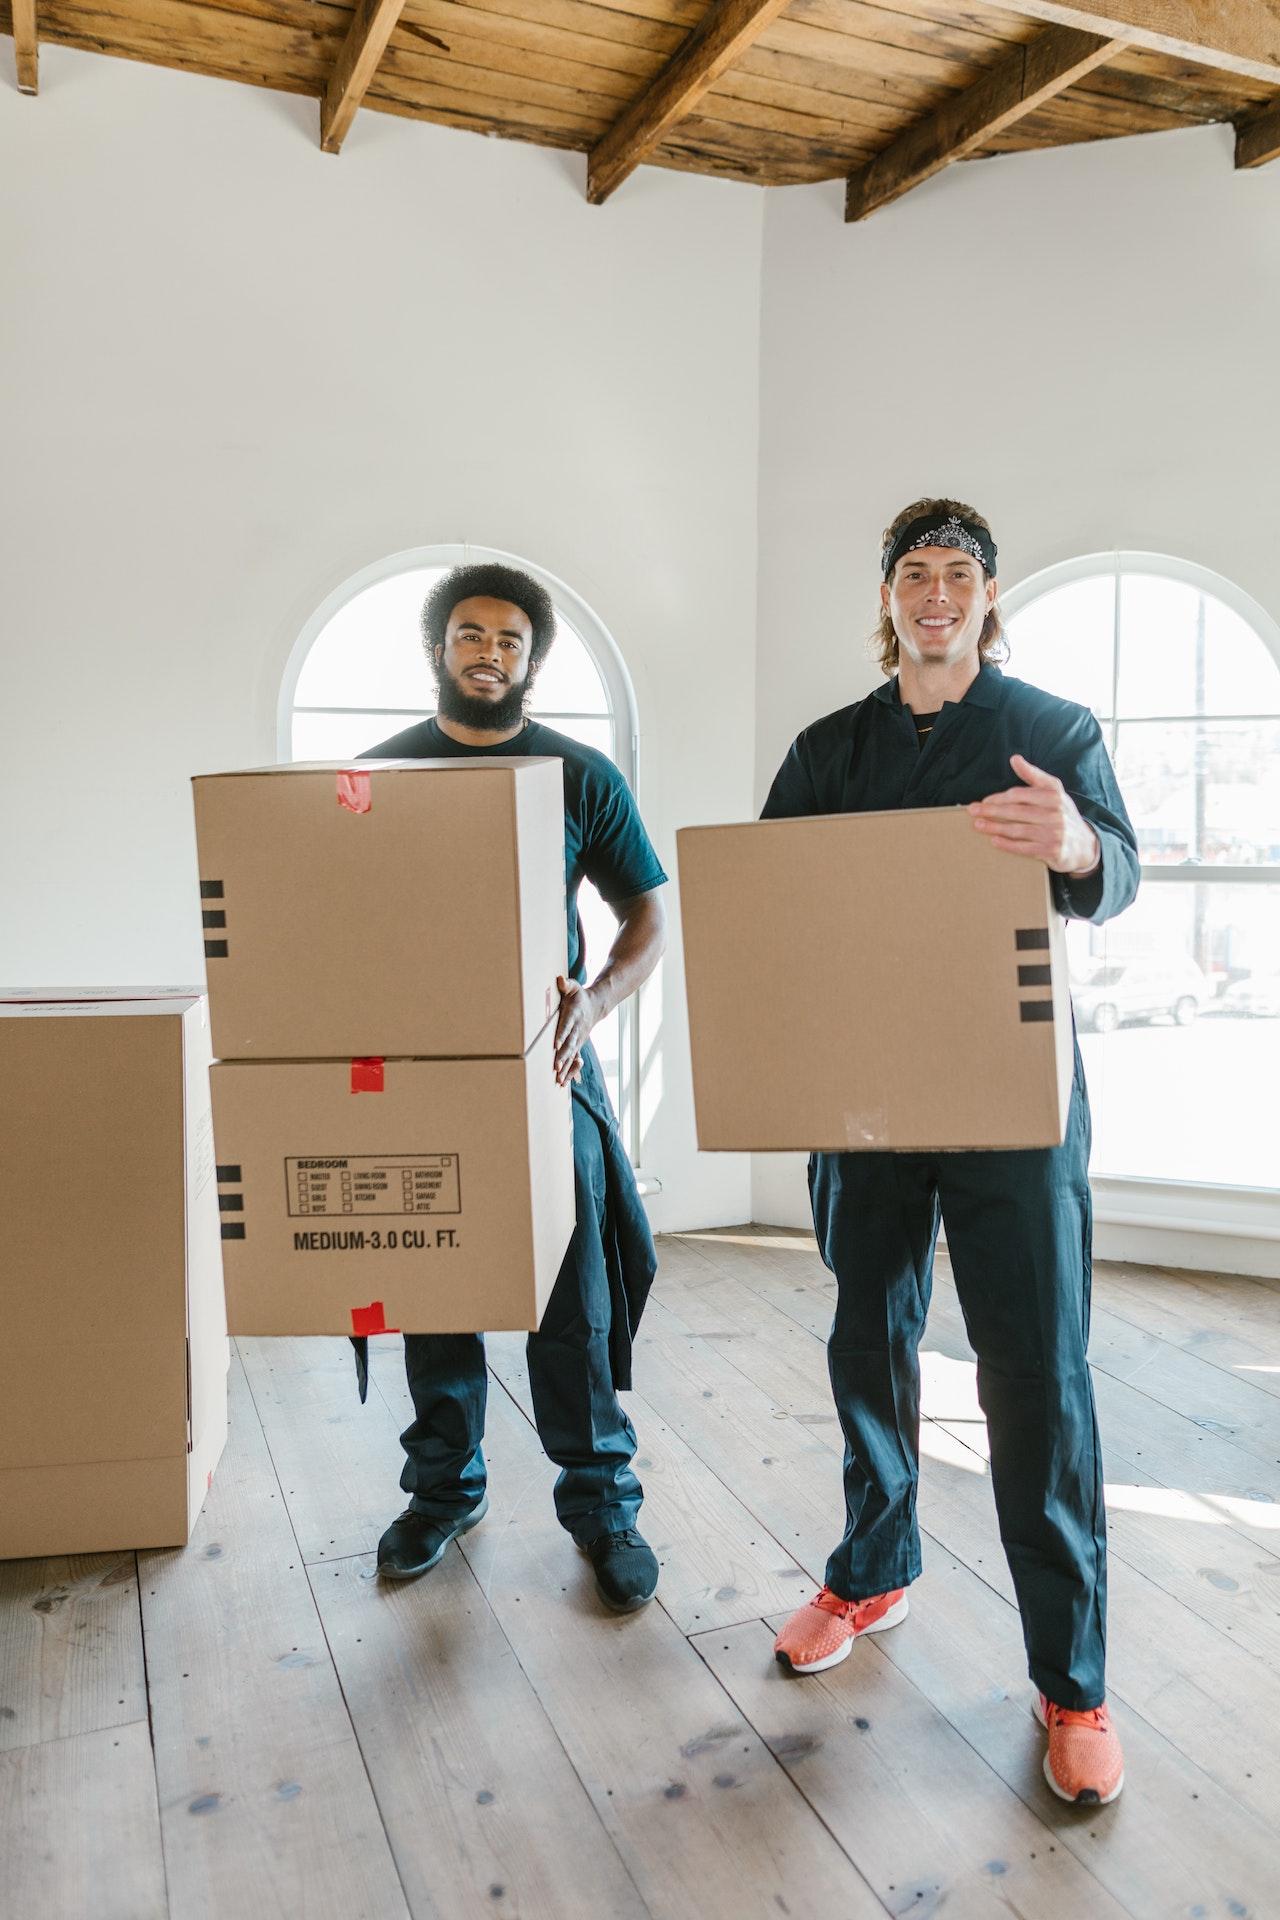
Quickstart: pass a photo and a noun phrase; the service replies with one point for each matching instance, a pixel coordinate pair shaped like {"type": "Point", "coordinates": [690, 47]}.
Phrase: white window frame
{"type": "Point", "coordinates": [1234, 1229]}
{"type": "Point", "coordinates": [619, 689]}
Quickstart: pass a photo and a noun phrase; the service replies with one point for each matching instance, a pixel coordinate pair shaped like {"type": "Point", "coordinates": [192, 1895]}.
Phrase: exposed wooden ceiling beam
{"type": "Point", "coordinates": [25, 45]}
{"type": "Point", "coordinates": [721, 39]}
{"type": "Point", "coordinates": [1023, 81]}
{"type": "Point", "coordinates": [1258, 138]}
{"type": "Point", "coordinates": [372, 25]}
{"type": "Point", "coordinates": [1238, 36]}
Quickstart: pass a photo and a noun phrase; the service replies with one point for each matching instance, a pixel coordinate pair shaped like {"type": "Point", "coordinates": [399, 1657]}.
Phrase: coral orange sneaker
{"type": "Point", "coordinates": [1084, 1763]}
{"type": "Point", "coordinates": [820, 1634]}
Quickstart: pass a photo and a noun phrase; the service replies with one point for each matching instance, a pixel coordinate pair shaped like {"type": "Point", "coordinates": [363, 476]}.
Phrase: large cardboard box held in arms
{"type": "Point", "coordinates": [425, 1196]}
{"type": "Point", "coordinates": [872, 981]}
{"type": "Point", "coordinates": [407, 908]}
{"type": "Point", "coordinates": [114, 1411]}
{"type": "Point", "coordinates": [383, 948]}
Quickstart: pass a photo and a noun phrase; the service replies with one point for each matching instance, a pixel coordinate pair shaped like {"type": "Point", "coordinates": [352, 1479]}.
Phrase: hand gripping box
{"type": "Point", "coordinates": [369, 1195]}
{"type": "Point", "coordinates": [114, 1412]}
{"type": "Point", "coordinates": [872, 980]}
{"type": "Point", "coordinates": [408, 908]}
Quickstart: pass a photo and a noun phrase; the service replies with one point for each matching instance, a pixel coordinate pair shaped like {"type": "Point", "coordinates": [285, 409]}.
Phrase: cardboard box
{"type": "Point", "coordinates": [872, 980]}
{"type": "Point", "coordinates": [408, 908]}
{"type": "Point", "coordinates": [114, 1411]}
{"type": "Point", "coordinates": [425, 1196]}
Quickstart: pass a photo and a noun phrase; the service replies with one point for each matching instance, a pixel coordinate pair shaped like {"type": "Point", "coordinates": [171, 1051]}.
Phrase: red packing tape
{"type": "Point", "coordinates": [355, 792]}
{"type": "Point", "coordinates": [370, 1319]}
{"type": "Point", "coordinates": [367, 1076]}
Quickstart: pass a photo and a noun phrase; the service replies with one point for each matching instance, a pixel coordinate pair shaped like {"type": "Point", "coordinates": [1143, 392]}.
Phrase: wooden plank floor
{"type": "Point", "coordinates": [252, 1725]}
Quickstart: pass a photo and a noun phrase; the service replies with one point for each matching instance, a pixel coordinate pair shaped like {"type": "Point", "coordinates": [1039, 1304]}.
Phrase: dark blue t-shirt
{"type": "Point", "coordinates": [604, 837]}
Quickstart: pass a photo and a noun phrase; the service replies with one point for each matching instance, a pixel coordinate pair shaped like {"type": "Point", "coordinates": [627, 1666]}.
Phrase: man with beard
{"type": "Point", "coordinates": [948, 729]}
{"type": "Point", "coordinates": [487, 630]}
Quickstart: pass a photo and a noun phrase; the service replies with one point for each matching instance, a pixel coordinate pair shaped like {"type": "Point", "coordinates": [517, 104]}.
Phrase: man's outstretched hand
{"type": "Point", "coordinates": [1040, 819]}
{"type": "Point", "coordinates": [577, 1017]}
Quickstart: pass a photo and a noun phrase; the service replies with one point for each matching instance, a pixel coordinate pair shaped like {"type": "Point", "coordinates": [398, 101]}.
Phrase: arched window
{"type": "Point", "coordinates": [1177, 1000]}
{"type": "Point", "coordinates": [358, 673]}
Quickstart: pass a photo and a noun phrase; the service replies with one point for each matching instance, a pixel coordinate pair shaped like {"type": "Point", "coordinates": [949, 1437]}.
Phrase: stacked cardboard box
{"type": "Point", "coordinates": [870, 981]}
{"type": "Point", "coordinates": [383, 946]}
{"type": "Point", "coordinates": [114, 1412]}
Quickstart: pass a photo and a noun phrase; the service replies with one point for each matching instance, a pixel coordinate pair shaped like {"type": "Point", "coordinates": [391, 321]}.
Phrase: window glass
{"type": "Point", "coordinates": [1177, 1005]}
{"type": "Point", "coordinates": [1177, 1001]}
{"type": "Point", "coordinates": [1202, 790]}
{"type": "Point", "coordinates": [1065, 642]}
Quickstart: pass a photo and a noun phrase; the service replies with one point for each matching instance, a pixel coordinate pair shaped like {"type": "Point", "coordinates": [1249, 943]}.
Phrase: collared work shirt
{"type": "Point", "coordinates": [866, 759]}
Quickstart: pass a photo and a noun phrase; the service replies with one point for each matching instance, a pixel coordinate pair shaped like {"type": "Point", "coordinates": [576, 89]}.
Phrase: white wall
{"type": "Point", "coordinates": [235, 370]}
{"type": "Point", "coordinates": [1081, 342]}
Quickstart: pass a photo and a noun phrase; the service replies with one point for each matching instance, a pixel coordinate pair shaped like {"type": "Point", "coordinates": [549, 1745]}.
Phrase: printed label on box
{"type": "Point", "coordinates": [367, 1183]}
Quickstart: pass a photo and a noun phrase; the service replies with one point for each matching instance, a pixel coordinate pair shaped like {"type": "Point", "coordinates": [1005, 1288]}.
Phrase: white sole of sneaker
{"type": "Point", "coordinates": [898, 1611]}
{"type": "Point", "coordinates": [1072, 1800]}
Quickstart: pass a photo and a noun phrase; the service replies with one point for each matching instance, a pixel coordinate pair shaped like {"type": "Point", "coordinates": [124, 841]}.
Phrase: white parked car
{"type": "Point", "coordinates": [1258, 996]}
{"type": "Point", "coordinates": [1140, 989]}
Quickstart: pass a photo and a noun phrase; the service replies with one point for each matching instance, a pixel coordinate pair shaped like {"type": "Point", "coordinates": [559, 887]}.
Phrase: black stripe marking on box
{"type": "Point", "coordinates": [213, 917]}
{"type": "Point", "coordinates": [1035, 976]}
{"type": "Point", "coordinates": [211, 890]}
{"type": "Point", "coordinates": [230, 1203]}
{"type": "Point", "coordinates": [233, 1229]}
{"type": "Point", "coordinates": [1036, 1009]}
{"type": "Point", "coordinates": [1032, 939]}
{"type": "Point", "coordinates": [229, 1174]}
{"type": "Point", "coordinates": [215, 949]}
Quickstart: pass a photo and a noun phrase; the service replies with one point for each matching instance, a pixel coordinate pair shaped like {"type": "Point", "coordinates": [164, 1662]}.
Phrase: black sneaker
{"type": "Point", "coordinates": [414, 1542]}
{"type": "Point", "coordinates": [626, 1568]}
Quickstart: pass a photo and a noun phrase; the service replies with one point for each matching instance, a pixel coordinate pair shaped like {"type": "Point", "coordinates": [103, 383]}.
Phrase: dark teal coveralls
{"type": "Point", "coordinates": [1018, 1224]}
{"type": "Point", "coordinates": [581, 1354]}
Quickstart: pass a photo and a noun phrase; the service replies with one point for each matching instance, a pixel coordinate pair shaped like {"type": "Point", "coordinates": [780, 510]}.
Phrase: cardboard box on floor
{"type": "Point", "coordinates": [362, 1196]}
{"type": "Point", "coordinates": [114, 1411]}
{"type": "Point", "coordinates": [405, 908]}
{"type": "Point", "coordinates": [872, 980]}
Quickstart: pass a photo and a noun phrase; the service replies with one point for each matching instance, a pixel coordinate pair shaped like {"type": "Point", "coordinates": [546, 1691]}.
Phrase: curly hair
{"type": "Point", "coordinates": [489, 580]}
{"type": "Point", "coordinates": [992, 645]}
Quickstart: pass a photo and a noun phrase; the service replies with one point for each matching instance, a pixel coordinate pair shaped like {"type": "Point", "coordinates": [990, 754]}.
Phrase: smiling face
{"type": "Point", "coordinates": [938, 601]}
{"type": "Point", "coordinates": [483, 667]}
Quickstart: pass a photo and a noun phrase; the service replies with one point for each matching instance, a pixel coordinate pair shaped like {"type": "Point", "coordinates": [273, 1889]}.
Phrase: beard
{"type": "Point", "coordinates": [472, 710]}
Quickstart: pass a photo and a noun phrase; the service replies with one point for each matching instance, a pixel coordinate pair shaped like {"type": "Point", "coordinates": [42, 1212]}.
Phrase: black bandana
{"type": "Point", "coordinates": [942, 530]}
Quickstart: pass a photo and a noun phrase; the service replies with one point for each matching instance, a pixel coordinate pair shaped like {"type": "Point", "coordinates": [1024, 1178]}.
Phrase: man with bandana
{"type": "Point", "coordinates": [947, 729]}
{"type": "Point", "coordinates": [487, 629]}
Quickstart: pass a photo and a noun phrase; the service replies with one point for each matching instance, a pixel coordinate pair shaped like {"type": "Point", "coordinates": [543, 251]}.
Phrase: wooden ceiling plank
{"type": "Point", "coordinates": [588, 17]}
{"type": "Point", "coordinates": [1190, 73]}
{"type": "Point", "coordinates": [893, 29]}
{"type": "Point", "coordinates": [371, 27]}
{"type": "Point", "coordinates": [1240, 36]}
{"type": "Point", "coordinates": [512, 84]}
{"type": "Point", "coordinates": [488, 56]}
{"type": "Point", "coordinates": [499, 107]}
{"type": "Point", "coordinates": [26, 46]}
{"type": "Point", "coordinates": [1026, 78]}
{"type": "Point", "coordinates": [1258, 138]}
{"type": "Point", "coordinates": [153, 50]}
{"type": "Point", "coordinates": [776, 157]}
{"type": "Point", "coordinates": [532, 131]}
{"type": "Point", "coordinates": [197, 25]}
{"type": "Point", "coordinates": [772, 85]}
{"type": "Point", "coordinates": [444, 21]}
{"type": "Point", "coordinates": [728, 30]}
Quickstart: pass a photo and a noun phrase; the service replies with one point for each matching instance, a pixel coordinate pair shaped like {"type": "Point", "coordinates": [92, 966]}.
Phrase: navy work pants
{"type": "Point", "coordinates": [580, 1419]}
{"type": "Point", "coordinates": [1018, 1233]}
